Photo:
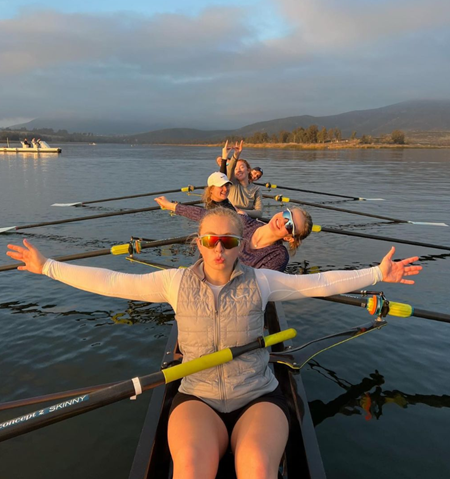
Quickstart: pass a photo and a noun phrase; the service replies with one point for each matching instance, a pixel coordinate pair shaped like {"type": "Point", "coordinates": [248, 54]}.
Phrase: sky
{"type": "Point", "coordinates": [215, 64]}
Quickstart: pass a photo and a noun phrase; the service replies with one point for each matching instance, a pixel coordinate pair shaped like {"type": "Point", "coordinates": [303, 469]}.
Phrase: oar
{"type": "Point", "coordinates": [400, 310]}
{"type": "Point", "coordinates": [379, 238]}
{"type": "Point", "coordinates": [115, 250]}
{"type": "Point", "coordinates": [93, 217]}
{"type": "Point", "coordinates": [186, 189]}
{"type": "Point", "coordinates": [318, 229]}
{"type": "Point", "coordinates": [284, 199]}
{"type": "Point", "coordinates": [269, 185]}
{"type": "Point", "coordinates": [130, 388]}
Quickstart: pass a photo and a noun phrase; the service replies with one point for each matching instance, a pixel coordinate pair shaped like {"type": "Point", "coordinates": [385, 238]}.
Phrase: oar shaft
{"type": "Point", "coordinates": [384, 238]}
{"type": "Point", "coordinates": [334, 208]}
{"type": "Point", "coordinates": [154, 193]}
{"type": "Point", "coordinates": [94, 217]}
{"type": "Point", "coordinates": [52, 397]}
{"type": "Point", "coordinates": [126, 389]}
{"type": "Point", "coordinates": [362, 302]}
{"type": "Point", "coordinates": [311, 191]}
{"type": "Point", "coordinates": [103, 252]}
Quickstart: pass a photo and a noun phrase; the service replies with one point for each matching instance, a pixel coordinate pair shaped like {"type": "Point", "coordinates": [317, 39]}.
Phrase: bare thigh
{"type": "Point", "coordinates": [197, 440]}
{"type": "Point", "coordinates": [258, 441]}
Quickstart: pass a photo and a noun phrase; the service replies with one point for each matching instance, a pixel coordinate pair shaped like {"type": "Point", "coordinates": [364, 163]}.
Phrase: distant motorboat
{"type": "Point", "coordinates": [41, 147]}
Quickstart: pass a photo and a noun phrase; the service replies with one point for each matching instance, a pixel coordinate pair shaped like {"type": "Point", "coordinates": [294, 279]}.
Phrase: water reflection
{"type": "Point", "coordinates": [136, 312]}
{"type": "Point", "coordinates": [367, 397]}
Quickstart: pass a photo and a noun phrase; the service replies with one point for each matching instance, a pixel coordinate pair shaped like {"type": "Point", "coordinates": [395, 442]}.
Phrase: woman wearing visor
{"type": "Point", "coordinates": [218, 303]}
{"type": "Point", "coordinates": [263, 243]}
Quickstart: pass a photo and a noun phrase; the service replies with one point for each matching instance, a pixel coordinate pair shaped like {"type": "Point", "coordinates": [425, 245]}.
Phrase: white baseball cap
{"type": "Point", "coordinates": [218, 179]}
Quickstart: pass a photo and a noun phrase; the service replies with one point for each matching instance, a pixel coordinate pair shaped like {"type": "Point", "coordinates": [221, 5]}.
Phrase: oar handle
{"type": "Point", "coordinates": [225, 355]}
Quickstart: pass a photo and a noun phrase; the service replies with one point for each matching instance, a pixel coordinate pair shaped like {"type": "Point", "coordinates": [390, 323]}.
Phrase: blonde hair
{"type": "Point", "coordinates": [206, 198]}
{"type": "Point", "coordinates": [224, 212]}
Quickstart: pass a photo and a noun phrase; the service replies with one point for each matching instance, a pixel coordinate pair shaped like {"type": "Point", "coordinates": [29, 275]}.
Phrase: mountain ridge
{"type": "Point", "coordinates": [414, 115]}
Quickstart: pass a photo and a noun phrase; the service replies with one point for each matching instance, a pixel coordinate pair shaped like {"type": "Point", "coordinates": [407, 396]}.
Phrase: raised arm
{"type": "Point", "coordinates": [238, 147]}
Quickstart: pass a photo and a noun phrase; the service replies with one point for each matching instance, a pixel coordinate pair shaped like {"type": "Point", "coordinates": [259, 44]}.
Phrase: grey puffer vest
{"type": "Point", "coordinates": [239, 319]}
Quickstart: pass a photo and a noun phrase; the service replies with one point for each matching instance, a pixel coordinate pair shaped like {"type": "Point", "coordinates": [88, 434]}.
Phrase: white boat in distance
{"type": "Point", "coordinates": [42, 147]}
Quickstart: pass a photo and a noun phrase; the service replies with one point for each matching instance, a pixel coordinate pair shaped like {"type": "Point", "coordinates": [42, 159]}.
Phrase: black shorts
{"type": "Point", "coordinates": [231, 418]}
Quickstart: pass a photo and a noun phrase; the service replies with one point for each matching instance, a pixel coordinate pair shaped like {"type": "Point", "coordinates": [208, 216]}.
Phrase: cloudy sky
{"type": "Point", "coordinates": [218, 63]}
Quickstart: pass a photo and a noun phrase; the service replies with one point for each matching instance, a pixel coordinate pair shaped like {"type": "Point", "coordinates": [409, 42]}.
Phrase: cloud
{"type": "Point", "coordinates": [221, 68]}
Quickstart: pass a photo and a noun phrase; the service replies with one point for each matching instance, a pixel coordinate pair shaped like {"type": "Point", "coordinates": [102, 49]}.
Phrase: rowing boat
{"type": "Point", "coordinates": [302, 456]}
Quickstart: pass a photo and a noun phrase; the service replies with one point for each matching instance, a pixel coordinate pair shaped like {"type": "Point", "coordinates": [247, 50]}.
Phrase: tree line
{"type": "Point", "coordinates": [313, 134]}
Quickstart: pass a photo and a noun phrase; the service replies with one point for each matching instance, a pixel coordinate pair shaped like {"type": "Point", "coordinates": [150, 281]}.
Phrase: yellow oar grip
{"type": "Point", "coordinates": [196, 365]}
{"type": "Point", "coordinates": [280, 337]}
{"type": "Point", "coordinates": [317, 228]}
{"type": "Point", "coordinates": [283, 199]}
{"type": "Point", "coordinates": [120, 249]}
{"type": "Point", "coordinates": [401, 310]}
{"type": "Point", "coordinates": [269, 185]}
{"type": "Point", "coordinates": [188, 188]}
{"type": "Point", "coordinates": [219, 357]}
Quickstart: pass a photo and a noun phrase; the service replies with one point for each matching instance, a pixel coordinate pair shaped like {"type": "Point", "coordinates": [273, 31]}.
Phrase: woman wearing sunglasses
{"type": "Point", "coordinates": [263, 243]}
{"type": "Point", "coordinates": [218, 303]}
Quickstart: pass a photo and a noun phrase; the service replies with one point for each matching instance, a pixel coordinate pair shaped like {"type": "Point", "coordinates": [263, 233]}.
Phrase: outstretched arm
{"type": "Point", "coordinates": [284, 287]}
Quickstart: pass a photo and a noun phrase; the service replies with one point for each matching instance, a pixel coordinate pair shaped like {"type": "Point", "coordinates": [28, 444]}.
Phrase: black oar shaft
{"type": "Point", "coordinates": [75, 406]}
{"type": "Point", "coordinates": [311, 191]}
{"type": "Point", "coordinates": [334, 208]}
{"type": "Point", "coordinates": [384, 238]}
{"type": "Point", "coordinates": [362, 302]}
{"type": "Point", "coordinates": [154, 193]}
{"type": "Point", "coordinates": [94, 217]}
{"type": "Point", "coordinates": [52, 397]}
{"type": "Point", "coordinates": [103, 252]}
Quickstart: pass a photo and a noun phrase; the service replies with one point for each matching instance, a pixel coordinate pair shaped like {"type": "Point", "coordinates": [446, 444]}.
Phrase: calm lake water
{"type": "Point", "coordinates": [381, 402]}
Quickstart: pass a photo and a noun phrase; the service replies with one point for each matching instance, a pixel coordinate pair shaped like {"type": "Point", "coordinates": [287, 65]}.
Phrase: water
{"type": "Point", "coordinates": [380, 402]}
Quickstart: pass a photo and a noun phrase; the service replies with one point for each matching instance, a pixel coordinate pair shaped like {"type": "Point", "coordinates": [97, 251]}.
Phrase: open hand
{"type": "Point", "coordinates": [30, 255]}
{"type": "Point", "coordinates": [394, 271]}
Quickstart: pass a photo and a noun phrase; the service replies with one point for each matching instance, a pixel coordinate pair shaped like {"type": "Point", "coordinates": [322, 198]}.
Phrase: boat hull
{"type": "Point", "coordinates": [30, 150]}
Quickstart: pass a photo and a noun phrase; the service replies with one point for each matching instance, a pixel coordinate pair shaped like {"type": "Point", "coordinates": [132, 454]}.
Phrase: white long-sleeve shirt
{"type": "Point", "coordinates": [162, 286]}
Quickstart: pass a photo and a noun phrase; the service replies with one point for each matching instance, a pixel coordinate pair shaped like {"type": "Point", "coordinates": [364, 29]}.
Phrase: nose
{"type": "Point", "coordinates": [218, 248]}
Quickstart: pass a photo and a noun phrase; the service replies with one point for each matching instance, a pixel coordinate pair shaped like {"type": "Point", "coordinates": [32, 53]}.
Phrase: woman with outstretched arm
{"type": "Point", "coordinates": [219, 303]}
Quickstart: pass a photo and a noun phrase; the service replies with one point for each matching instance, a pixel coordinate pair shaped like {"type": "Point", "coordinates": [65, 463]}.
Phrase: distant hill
{"type": "Point", "coordinates": [89, 125]}
{"type": "Point", "coordinates": [410, 116]}
{"type": "Point", "coordinates": [421, 115]}
{"type": "Point", "coordinates": [179, 135]}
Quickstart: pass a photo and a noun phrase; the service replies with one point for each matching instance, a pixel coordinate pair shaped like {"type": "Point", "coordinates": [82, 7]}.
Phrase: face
{"type": "Point", "coordinates": [241, 171]}
{"type": "Point", "coordinates": [278, 222]}
{"type": "Point", "coordinates": [218, 258]}
{"type": "Point", "coordinates": [220, 193]}
{"type": "Point", "coordinates": [256, 175]}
